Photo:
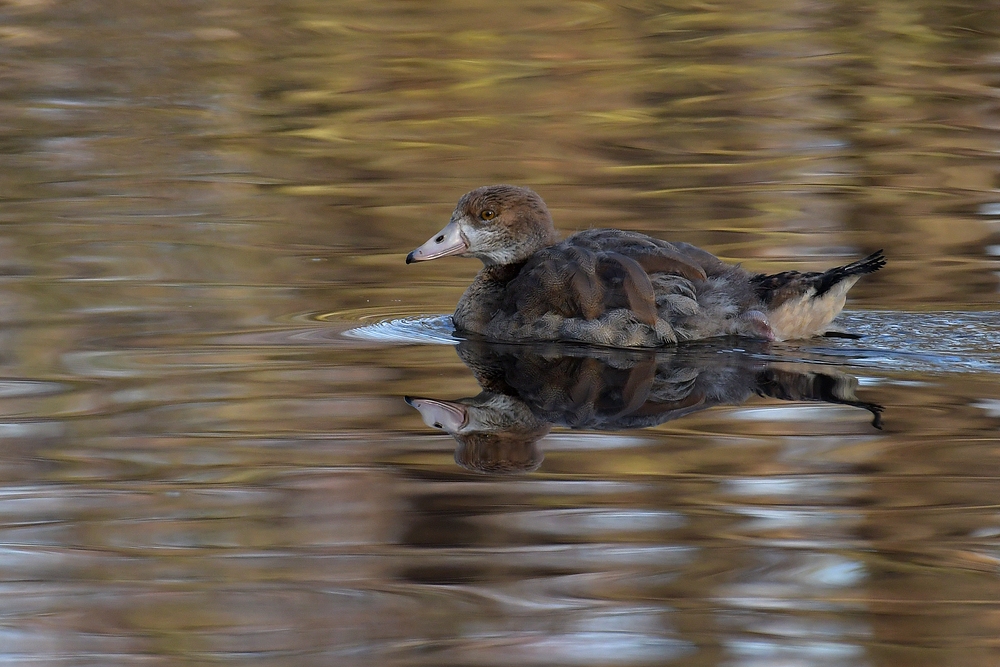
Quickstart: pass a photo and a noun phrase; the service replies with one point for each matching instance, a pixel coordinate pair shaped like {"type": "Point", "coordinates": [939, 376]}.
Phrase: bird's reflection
{"type": "Point", "coordinates": [528, 389]}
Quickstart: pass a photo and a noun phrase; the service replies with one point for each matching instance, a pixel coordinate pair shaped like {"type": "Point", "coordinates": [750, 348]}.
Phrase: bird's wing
{"type": "Point", "coordinates": [593, 272]}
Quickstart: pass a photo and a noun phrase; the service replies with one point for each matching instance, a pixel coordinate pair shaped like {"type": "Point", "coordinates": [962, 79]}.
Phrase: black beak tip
{"type": "Point", "coordinates": [408, 399]}
{"type": "Point", "coordinates": [409, 258]}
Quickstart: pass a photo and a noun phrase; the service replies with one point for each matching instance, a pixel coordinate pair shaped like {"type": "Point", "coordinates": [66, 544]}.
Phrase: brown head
{"type": "Point", "coordinates": [499, 224]}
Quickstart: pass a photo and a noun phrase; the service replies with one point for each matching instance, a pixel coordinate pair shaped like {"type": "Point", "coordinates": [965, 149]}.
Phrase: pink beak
{"type": "Point", "coordinates": [449, 241]}
{"type": "Point", "coordinates": [444, 415]}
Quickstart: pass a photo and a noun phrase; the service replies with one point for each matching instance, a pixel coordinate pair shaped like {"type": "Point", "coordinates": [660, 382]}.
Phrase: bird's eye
{"type": "Point", "coordinates": [488, 214]}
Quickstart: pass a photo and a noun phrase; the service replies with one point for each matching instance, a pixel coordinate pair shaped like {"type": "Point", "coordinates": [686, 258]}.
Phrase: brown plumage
{"type": "Point", "coordinates": [618, 288]}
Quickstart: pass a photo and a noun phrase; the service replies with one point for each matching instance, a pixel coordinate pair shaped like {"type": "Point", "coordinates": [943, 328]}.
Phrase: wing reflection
{"type": "Point", "coordinates": [528, 389]}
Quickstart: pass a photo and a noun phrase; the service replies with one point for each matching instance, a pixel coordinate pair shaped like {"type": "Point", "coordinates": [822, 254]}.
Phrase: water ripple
{"type": "Point", "coordinates": [949, 341]}
{"type": "Point", "coordinates": [408, 330]}
{"type": "Point", "coordinates": [944, 341]}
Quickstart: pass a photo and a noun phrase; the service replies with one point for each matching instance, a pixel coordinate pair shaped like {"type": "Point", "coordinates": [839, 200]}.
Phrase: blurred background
{"type": "Point", "coordinates": [198, 198]}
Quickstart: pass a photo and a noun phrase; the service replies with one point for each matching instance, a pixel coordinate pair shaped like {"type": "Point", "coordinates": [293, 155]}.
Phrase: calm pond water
{"type": "Point", "coordinates": [212, 349]}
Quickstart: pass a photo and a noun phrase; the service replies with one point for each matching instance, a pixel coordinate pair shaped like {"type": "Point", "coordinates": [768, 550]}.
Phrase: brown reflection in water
{"type": "Point", "coordinates": [528, 388]}
{"type": "Point", "coordinates": [781, 541]}
{"type": "Point", "coordinates": [743, 534]}
{"type": "Point", "coordinates": [194, 471]}
{"type": "Point", "coordinates": [313, 143]}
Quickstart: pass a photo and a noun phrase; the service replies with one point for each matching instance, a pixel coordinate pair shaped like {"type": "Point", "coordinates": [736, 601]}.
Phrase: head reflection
{"type": "Point", "coordinates": [526, 389]}
{"type": "Point", "coordinates": [496, 433]}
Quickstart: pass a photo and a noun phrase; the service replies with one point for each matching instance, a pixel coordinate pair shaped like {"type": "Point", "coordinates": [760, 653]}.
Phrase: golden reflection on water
{"type": "Point", "coordinates": [198, 467]}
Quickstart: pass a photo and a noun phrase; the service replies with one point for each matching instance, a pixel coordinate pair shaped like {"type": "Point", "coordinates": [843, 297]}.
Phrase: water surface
{"type": "Point", "coordinates": [205, 462]}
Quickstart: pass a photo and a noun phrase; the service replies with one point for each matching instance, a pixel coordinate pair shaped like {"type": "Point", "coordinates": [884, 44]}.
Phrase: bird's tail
{"type": "Point", "coordinates": [869, 264]}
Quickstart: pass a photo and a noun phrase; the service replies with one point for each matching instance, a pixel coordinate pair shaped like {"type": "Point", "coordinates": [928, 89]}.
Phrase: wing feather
{"type": "Point", "coordinates": [598, 271]}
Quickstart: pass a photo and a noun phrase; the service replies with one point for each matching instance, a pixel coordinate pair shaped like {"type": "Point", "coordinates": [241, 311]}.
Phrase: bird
{"type": "Point", "coordinates": [618, 288]}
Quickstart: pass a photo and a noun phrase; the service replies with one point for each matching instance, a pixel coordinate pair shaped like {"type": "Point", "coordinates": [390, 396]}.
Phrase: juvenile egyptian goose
{"type": "Point", "coordinates": [619, 288]}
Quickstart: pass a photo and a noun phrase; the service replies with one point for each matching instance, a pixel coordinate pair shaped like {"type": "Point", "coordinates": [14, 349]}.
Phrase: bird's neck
{"type": "Point", "coordinates": [484, 297]}
{"type": "Point", "coordinates": [517, 254]}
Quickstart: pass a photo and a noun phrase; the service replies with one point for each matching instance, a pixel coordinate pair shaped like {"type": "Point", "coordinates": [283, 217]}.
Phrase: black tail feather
{"type": "Point", "coordinates": [777, 287]}
{"type": "Point", "coordinates": [869, 264]}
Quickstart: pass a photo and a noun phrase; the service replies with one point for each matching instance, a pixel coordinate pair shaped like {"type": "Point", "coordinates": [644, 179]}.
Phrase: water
{"type": "Point", "coordinates": [209, 335]}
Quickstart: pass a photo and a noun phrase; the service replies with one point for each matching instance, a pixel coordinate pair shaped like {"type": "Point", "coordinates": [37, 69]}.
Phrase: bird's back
{"type": "Point", "coordinates": [620, 288]}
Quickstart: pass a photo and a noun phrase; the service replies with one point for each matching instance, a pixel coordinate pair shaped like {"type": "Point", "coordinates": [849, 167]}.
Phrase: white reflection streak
{"type": "Point", "coordinates": [780, 613]}
{"type": "Point", "coordinates": [579, 521]}
{"type": "Point", "coordinates": [764, 653]}
{"type": "Point", "coordinates": [620, 636]}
